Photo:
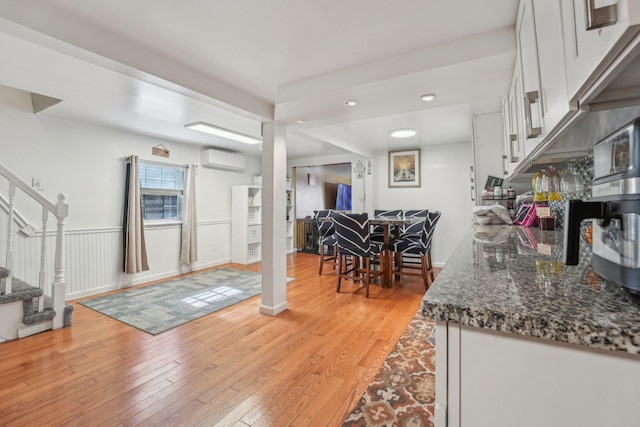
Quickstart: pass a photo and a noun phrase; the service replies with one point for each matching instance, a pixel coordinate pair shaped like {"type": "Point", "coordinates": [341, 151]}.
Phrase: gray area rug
{"type": "Point", "coordinates": [157, 308]}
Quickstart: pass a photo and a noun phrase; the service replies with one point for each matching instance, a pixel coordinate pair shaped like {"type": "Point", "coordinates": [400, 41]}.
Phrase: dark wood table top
{"type": "Point", "coordinates": [384, 220]}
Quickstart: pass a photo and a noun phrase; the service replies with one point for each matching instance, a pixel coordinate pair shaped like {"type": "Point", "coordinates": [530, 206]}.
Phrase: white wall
{"type": "Point", "coordinates": [488, 149]}
{"type": "Point", "coordinates": [86, 163]}
{"type": "Point", "coordinates": [444, 187]}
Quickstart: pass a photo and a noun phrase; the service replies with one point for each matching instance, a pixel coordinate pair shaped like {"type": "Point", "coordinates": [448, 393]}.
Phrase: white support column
{"type": "Point", "coordinates": [274, 261]}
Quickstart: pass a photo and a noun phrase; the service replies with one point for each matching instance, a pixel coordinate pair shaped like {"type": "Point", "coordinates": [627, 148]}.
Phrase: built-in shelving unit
{"type": "Point", "coordinates": [291, 214]}
{"type": "Point", "coordinates": [246, 227]}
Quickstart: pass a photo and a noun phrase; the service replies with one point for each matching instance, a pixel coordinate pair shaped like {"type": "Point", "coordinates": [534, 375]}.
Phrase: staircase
{"type": "Point", "coordinates": [26, 309]}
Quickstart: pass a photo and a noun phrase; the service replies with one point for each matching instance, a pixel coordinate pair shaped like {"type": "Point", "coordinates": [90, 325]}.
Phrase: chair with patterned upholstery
{"type": "Point", "coordinates": [415, 228]}
{"type": "Point", "coordinates": [377, 233]}
{"type": "Point", "coordinates": [326, 239]}
{"type": "Point", "coordinates": [353, 235]}
{"type": "Point", "coordinates": [417, 246]}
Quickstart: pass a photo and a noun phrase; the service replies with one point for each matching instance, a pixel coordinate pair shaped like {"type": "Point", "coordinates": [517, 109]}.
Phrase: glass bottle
{"type": "Point", "coordinates": [551, 184]}
{"type": "Point", "coordinates": [539, 195]}
{"type": "Point", "coordinates": [568, 184]}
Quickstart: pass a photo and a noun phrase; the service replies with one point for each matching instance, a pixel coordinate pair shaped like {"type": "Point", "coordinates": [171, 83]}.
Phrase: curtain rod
{"type": "Point", "coordinates": [153, 162]}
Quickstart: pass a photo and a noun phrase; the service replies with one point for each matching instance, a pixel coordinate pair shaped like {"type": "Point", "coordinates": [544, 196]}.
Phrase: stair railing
{"type": "Point", "coordinates": [60, 210]}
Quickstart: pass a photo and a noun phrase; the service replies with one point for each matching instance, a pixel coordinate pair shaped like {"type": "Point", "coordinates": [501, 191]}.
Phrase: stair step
{"type": "Point", "coordinates": [20, 291]}
{"type": "Point", "coordinates": [31, 314]}
{"type": "Point", "coordinates": [35, 317]}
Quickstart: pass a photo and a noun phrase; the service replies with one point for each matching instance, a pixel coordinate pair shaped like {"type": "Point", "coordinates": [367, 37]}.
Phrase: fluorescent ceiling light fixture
{"type": "Point", "coordinates": [403, 133]}
{"type": "Point", "coordinates": [428, 97]}
{"type": "Point", "coordinates": [225, 133]}
{"type": "Point", "coordinates": [351, 102]}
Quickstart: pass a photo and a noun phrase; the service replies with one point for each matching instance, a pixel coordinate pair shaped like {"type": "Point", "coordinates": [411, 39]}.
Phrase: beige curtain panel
{"type": "Point", "coordinates": [135, 251]}
{"type": "Point", "coordinates": [189, 243]}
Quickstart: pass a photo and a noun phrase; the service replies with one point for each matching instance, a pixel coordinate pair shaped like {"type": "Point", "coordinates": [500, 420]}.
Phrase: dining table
{"type": "Point", "coordinates": [387, 222]}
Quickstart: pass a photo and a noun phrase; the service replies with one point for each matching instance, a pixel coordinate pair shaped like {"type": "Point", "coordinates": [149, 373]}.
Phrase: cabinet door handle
{"type": "Point", "coordinates": [598, 17]}
{"type": "Point", "coordinates": [512, 138]}
{"type": "Point", "coordinates": [529, 99]}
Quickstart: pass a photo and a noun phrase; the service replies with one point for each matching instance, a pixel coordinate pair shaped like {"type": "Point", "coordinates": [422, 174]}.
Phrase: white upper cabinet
{"type": "Point", "coordinates": [551, 59]}
{"type": "Point", "coordinates": [530, 75]}
{"type": "Point", "coordinates": [544, 83]}
{"type": "Point", "coordinates": [512, 116]}
{"type": "Point", "coordinates": [516, 100]}
{"type": "Point", "coordinates": [595, 32]}
{"type": "Point", "coordinates": [506, 134]}
{"type": "Point", "coordinates": [571, 53]}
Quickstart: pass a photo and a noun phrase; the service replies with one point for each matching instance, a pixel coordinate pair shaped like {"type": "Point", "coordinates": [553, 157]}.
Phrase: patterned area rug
{"type": "Point", "coordinates": [157, 308]}
{"type": "Point", "coordinates": [403, 391]}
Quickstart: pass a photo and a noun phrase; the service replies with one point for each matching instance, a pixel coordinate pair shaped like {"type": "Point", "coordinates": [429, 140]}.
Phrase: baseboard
{"type": "Point", "coordinates": [143, 280]}
{"type": "Point", "coordinates": [273, 311]}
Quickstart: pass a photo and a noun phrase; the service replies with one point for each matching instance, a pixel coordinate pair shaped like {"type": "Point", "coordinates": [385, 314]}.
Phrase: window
{"type": "Point", "coordinates": [161, 188]}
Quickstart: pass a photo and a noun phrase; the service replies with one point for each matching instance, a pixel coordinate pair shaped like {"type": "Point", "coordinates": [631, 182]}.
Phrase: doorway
{"type": "Point", "coordinates": [317, 188]}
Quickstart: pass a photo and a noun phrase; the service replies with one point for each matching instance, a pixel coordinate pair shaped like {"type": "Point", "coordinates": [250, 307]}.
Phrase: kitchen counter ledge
{"type": "Point", "coordinates": [512, 279]}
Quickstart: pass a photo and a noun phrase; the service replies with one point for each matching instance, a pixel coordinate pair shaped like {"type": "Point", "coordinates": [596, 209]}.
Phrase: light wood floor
{"type": "Point", "coordinates": [305, 367]}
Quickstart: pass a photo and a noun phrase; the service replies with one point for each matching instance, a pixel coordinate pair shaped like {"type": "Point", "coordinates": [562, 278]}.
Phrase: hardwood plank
{"type": "Point", "coordinates": [237, 367]}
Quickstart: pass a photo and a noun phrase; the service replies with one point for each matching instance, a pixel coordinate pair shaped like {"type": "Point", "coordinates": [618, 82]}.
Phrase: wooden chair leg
{"type": "Point", "coordinates": [339, 272]}
{"type": "Point", "coordinates": [430, 267]}
{"type": "Point", "coordinates": [367, 276]}
{"type": "Point", "coordinates": [321, 258]}
{"type": "Point", "coordinates": [425, 273]}
{"type": "Point", "coordinates": [335, 257]}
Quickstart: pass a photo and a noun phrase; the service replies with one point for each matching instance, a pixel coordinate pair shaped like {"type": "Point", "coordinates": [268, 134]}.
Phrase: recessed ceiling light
{"type": "Point", "coordinates": [302, 121]}
{"type": "Point", "coordinates": [351, 102]}
{"type": "Point", "coordinates": [403, 133]}
{"type": "Point", "coordinates": [428, 97]}
{"type": "Point", "coordinates": [225, 133]}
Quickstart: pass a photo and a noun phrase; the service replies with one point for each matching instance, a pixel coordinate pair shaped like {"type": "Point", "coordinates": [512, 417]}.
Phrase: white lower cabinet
{"type": "Point", "coordinates": [493, 379]}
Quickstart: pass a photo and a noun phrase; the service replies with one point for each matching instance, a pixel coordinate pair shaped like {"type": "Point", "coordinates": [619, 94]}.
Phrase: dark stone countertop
{"type": "Point", "coordinates": [512, 279]}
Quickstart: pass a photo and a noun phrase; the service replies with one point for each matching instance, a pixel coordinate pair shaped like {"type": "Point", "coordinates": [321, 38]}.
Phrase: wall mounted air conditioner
{"type": "Point", "coordinates": [223, 160]}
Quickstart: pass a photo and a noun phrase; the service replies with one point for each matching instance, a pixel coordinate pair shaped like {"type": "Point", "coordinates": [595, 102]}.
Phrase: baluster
{"type": "Point", "coordinates": [58, 288]}
{"type": "Point", "coordinates": [9, 278]}
{"type": "Point", "coordinates": [43, 257]}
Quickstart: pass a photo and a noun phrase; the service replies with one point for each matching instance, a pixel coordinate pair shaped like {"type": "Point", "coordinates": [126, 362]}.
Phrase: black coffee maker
{"type": "Point", "coordinates": [615, 208]}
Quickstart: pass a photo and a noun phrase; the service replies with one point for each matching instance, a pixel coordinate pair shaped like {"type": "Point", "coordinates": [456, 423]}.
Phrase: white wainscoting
{"type": "Point", "coordinates": [94, 256]}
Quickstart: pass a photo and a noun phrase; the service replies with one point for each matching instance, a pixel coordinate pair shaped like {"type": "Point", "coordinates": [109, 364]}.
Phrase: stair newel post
{"type": "Point", "coordinates": [58, 291]}
{"type": "Point", "coordinates": [8, 279]}
{"type": "Point", "coordinates": [43, 258]}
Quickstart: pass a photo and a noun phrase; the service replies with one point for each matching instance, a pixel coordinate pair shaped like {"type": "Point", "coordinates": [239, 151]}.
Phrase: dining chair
{"type": "Point", "coordinates": [327, 243]}
{"type": "Point", "coordinates": [415, 228]}
{"type": "Point", "coordinates": [417, 246]}
{"type": "Point", "coordinates": [353, 235]}
{"type": "Point", "coordinates": [377, 233]}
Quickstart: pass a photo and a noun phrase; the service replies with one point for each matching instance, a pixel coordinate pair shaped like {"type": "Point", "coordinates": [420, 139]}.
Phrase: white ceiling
{"type": "Point", "coordinates": [152, 66]}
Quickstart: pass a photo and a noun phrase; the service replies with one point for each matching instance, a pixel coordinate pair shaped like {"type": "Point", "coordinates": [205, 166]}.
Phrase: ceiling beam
{"type": "Point", "coordinates": [95, 42]}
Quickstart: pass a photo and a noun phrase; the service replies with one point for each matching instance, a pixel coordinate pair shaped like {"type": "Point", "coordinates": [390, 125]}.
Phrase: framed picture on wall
{"type": "Point", "coordinates": [404, 168]}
